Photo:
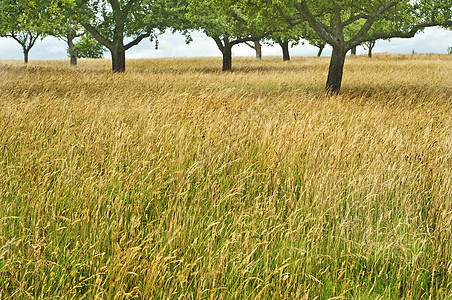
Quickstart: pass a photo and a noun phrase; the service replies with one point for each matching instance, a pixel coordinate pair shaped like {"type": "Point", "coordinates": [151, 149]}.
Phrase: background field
{"type": "Point", "coordinates": [175, 180]}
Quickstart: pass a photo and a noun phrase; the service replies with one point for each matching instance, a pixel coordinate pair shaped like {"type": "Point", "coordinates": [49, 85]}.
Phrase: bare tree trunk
{"type": "Point", "coordinates": [258, 48]}
{"type": "Point", "coordinates": [118, 58]}
{"type": "Point", "coordinates": [27, 40]}
{"type": "Point", "coordinates": [285, 49]}
{"type": "Point", "coordinates": [227, 57]}
{"type": "Point", "coordinates": [320, 50]}
{"type": "Point", "coordinates": [26, 55]}
{"type": "Point", "coordinates": [333, 84]}
{"type": "Point", "coordinates": [370, 47]}
{"type": "Point", "coordinates": [72, 49]}
{"type": "Point", "coordinates": [353, 51]}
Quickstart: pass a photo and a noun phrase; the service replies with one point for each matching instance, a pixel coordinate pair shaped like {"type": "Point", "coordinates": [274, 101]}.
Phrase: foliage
{"type": "Point", "coordinates": [36, 15]}
{"type": "Point", "coordinates": [113, 21]}
{"type": "Point", "coordinates": [88, 47]}
{"type": "Point", "coordinates": [449, 50]}
{"type": "Point", "coordinates": [136, 18]}
{"type": "Point", "coordinates": [230, 23]}
{"type": "Point", "coordinates": [26, 20]}
{"type": "Point", "coordinates": [349, 23]}
{"type": "Point", "coordinates": [356, 22]}
{"type": "Point", "coordinates": [236, 20]}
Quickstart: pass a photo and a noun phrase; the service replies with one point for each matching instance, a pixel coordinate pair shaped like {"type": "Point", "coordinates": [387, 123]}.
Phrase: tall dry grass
{"type": "Point", "coordinates": [175, 180]}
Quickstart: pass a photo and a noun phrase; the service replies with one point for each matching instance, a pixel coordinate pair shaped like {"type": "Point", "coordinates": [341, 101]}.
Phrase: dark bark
{"type": "Point", "coordinates": [116, 44]}
{"type": "Point", "coordinates": [26, 55]}
{"type": "Point", "coordinates": [333, 34]}
{"type": "Point", "coordinates": [118, 59]}
{"type": "Point", "coordinates": [353, 51]}
{"type": "Point", "coordinates": [225, 45]}
{"type": "Point", "coordinates": [258, 48]}
{"type": "Point", "coordinates": [26, 39]}
{"type": "Point", "coordinates": [333, 84]}
{"type": "Point", "coordinates": [370, 47]}
{"type": "Point", "coordinates": [227, 58]}
{"type": "Point", "coordinates": [226, 50]}
{"type": "Point", "coordinates": [72, 49]}
{"type": "Point", "coordinates": [285, 50]}
{"type": "Point", "coordinates": [320, 50]}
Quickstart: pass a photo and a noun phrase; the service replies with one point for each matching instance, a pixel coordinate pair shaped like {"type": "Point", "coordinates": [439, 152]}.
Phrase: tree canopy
{"type": "Point", "coordinates": [345, 24]}
{"type": "Point", "coordinates": [230, 23]}
{"type": "Point", "coordinates": [121, 24]}
{"type": "Point", "coordinates": [111, 22]}
{"type": "Point", "coordinates": [88, 47]}
{"type": "Point", "coordinates": [26, 21]}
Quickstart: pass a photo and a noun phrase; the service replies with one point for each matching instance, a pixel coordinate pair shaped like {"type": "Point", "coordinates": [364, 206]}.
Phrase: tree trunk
{"type": "Point", "coordinates": [353, 51]}
{"type": "Point", "coordinates": [72, 49]}
{"type": "Point", "coordinates": [370, 47]}
{"type": "Point", "coordinates": [26, 55]}
{"type": "Point", "coordinates": [258, 48]}
{"type": "Point", "coordinates": [285, 49]}
{"type": "Point", "coordinates": [227, 58]}
{"type": "Point", "coordinates": [333, 84]}
{"type": "Point", "coordinates": [320, 51]}
{"type": "Point", "coordinates": [118, 59]}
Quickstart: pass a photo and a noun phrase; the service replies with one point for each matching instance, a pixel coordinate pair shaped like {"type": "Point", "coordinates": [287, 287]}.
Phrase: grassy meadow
{"type": "Point", "coordinates": [177, 181]}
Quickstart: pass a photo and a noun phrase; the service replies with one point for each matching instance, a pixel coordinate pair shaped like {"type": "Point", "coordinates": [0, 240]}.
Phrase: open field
{"type": "Point", "coordinates": [175, 180]}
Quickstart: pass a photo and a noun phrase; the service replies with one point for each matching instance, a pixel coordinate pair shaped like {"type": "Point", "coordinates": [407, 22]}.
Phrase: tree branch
{"type": "Point", "coordinates": [218, 42]}
{"type": "Point", "coordinates": [372, 19]}
{"type": "Point", "coordinates": [289, 19]}
{"type": "Point", "coordinates": [400, 34]}
{"type": "Point", "coordinates": [27, 42]}
{"type": "Point", "coordinates": [320, 28]}
{"type": "Point", "coordinates": [355, 18]}
{"type": "Point", "coordinates": [115, 5]}
{"type": "Point", "coordinates": [128, 7]}
{"type": "Point", "coordinates": [249, 39]}
{"type": "Point", "coordinates": [139, 38]}
{"type": "Point", "coordinates": [33, 39]}
{"type": "Point", "coordinates": [96, 34]}
{"type": "Point", "coordinates": [249, 45]}
{"type": "Point", "coordinates": [13, 35]}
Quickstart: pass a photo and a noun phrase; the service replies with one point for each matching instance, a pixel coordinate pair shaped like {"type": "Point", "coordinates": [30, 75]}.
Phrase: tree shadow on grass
{"type": "Point", "coordinates": [396, 92]}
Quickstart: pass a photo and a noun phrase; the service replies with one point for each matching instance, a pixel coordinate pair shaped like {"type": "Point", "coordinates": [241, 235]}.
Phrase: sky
{"type": "Point", "coordinates": [432, 40]}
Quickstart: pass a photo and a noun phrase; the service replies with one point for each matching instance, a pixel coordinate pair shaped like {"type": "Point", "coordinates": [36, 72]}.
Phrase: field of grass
{"type": "Point", "coordinates": [175, 180]}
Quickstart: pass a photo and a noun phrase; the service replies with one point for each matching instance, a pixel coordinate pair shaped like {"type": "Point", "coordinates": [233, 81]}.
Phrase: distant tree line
{"type": "Point", "coordinates": [91, 27]}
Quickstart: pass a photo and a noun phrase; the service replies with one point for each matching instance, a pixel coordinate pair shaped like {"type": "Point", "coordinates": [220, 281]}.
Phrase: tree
{"type": "Point", "coordinates": [284, 44]}
{"type": "Point", "coordinates": [67, 29]}
{"type": "Point", "coordinates": [257, 46]}
{"type": "Point", "coordinates": [311, 37]}
{"type": "Point", "coordinates": [26, 39]}
{"type": "Point", "coordinates": [319, 44]}
{"type": "Point", "coordinates": [72, 49]}
{"type": "Point", "coordinates": [287, 32]}
{"type": "Point", "coordinates": [89, 47]}
{"type": "Point", "coordinates": [24, 21]}
{"type": "Point", "coordinates": [111, 22]}
{"type": "Point", "coordinates": [370, 46]}
{"type": "Point", "coordinates": [348, 23]}
{"type": "Point", "coordinates": [228, 23]}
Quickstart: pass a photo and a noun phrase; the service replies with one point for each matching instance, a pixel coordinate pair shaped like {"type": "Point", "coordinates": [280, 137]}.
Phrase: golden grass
{"type": "Point", "coordinates": [175, 180]}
